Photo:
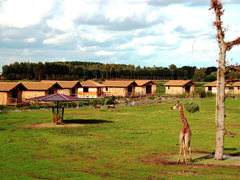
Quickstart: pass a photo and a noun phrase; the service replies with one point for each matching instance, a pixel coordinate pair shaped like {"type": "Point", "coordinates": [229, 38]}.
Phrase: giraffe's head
{"type": "Point", "coordinates": [176, 106]}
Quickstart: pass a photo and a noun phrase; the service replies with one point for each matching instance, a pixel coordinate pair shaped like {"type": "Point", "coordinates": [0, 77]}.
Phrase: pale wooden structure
{"type": "Point", "coordinates": [212, 87]}
{"type": "Point", "coordinates": [69, 88]}
{"type": "Point", "coordinates": [120, 88]}
{"type": "Point", "coordinates": [236, 88]}
{"type": "Point", "coordinates": [11, 93]}
{"type": "Point", "coordinates": [35, 89]}
{"type": "Point", "coordinates": [90, 89]}
{"type": "Point", "coordinates": [179, 86]}
{"type": "Point", "coordinates": [145, 87]}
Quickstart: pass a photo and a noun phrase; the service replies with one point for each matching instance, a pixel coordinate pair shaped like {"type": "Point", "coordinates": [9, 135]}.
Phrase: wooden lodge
{"type": "Point", "coordinates": [212, 87]}
{"type": "Point", "coordinates": [69, 88]}
{"type": "Point", "coordinates": [120, 88]}
{"type": "Point", "coordinates": [236, 87]}
{"type": "Point", "coordinates": [145, 87]}
{"type": "Point", "coordinates": [35, 89]}
{"type": "Point", "coordinates": [179, 86]}
{"type": "Point", "coordinates": [11, 93]}
{"type": "Point", "coordinates": [90, 89]}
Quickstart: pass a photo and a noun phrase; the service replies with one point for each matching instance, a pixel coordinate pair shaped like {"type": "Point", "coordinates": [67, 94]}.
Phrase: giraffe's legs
{"type": "Point", "coordinates": [184, 143]}
{"type": "Point", "coordinates": [180, 153]}
{"type": "Point", "coordinates": [189, 149]}
{"type": "Point", "coordinates": [187, 144]}
{"type": "Point", "coordinates": [181, 145]}
{"type": "Point", "coordinates": [184, 152]}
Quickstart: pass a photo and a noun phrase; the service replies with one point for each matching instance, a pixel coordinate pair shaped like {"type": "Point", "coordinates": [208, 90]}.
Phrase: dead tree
{"type": "Point", "coordinates": [216, 5]}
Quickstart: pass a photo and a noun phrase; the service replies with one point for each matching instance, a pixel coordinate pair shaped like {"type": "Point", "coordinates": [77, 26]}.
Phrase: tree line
{"type": "Point", "coordinates": [76, 70]}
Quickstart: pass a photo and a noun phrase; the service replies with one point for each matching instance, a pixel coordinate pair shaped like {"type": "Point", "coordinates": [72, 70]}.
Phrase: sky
{"type": "Point", "coordinates": [137, 32]}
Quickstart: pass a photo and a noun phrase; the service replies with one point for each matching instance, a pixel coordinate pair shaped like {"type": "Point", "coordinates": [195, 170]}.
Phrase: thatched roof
{"type": "Point", "coordinates": [109, 83]}
{"type": "Point", "coordinates": [41, 86]}
{"type": "Point", "coordinates": [8, 86]}
{"type": "Point", "coordinates": [213, 84]}
{"type": "Point", "coordinates": [236, 84]}
{"type": "Point", "coordinates": [66, 84]}
{"type": "Point", "coordinates": [90, 83]}
{"type": "Point", "coordinates": [144, 82]}
{"type": "Point", "coordinates": [179, 83]}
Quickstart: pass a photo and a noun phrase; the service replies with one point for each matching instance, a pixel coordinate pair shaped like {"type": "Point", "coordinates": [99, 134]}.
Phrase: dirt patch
{"type": "Point", "coordinates": [200, 158]}
{"type": "Point", "coordinates": [51, 125]}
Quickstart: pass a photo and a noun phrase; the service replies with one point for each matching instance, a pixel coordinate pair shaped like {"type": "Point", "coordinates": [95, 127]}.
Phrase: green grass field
{"type": "Point", "coordinates": [132, 143]}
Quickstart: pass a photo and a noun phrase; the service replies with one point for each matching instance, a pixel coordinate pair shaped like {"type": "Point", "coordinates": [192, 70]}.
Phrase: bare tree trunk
{"type": "Point", "coordinates": [220, 106]}
{"type": "Point", "coordinates": [216, 5]}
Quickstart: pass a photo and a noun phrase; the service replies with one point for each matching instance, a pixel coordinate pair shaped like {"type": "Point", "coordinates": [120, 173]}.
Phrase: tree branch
{"type": "Point", "coordinates": [231, 134]}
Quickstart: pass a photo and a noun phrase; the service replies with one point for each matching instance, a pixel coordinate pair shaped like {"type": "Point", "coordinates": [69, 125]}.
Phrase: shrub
{"type": "Point", "coordinates": [83, 103]}
{"type": "Point", "coordinates": [210, 78]}
{"type": "Point", "coordinates": [94, 102]}
{"type": "Point", "coordinates": [209, 94]}
{"type": "Point", "coordinates": [151, 97]}
{"type": "Point", "coordinates": [191, 106]}
{"type": "Point", "coordinates": [110, 100]}
{"type": "Point", "coordinates": [203, 94]}
{"type": "Point", "coordinates": [197, 93]}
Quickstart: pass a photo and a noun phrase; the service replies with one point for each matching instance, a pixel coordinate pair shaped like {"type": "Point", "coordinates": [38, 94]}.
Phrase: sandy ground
{"type": "Point", "coordinates": [52, 125]}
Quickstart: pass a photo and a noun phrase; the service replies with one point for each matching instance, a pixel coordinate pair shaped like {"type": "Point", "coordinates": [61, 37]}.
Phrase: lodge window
{"type": "Point", "coordinates": [210, 88]}
{"type": "Point", "coordinates": [50, 91]}
{"type": "Point", "coordinates": [168, 87]}
{"type": "Point", "coordinates": [148, 89]}
{"type": "Point", "coordinates": [85, 89]}
{"type": "Point", "coordinates": [14, 93]}
{"type": "Point", "coordinates": [106, 88]}
{"type": "Point", "coordinates": [73, 91]}
{"type": "Point", "coordinates": [130, 89]}
{"type": "Point", "coordinates": [238, 87]}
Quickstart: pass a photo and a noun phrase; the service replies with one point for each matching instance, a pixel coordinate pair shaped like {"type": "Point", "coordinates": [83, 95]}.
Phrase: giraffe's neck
{"type": "Point", "coordinates": [184, 120]}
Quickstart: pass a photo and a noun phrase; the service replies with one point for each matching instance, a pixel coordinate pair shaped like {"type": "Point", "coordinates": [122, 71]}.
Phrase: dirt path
{"type": "Point", "coordinates": [51, 125]}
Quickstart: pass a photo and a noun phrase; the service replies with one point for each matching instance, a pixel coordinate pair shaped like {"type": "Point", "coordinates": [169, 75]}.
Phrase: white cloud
{"type": "Point", "coordinates": [63, 24]}
{"type": "Point", "coordinates": [139, 32]}
{"type": "Point", "coordinates": [30, 40]}
{"type": "Point", "coordinates": [60, 39]}
{"type": "Point", "coordinates": [104, 53]}
{"type": "Point", "coordinates": [24, 13]}
{"type": "Point", "coordinates": [146, 50]}
{"type": "Point", "coordinates": [26, 52]}
{"type": "Point", "coordinates": [87, 48]}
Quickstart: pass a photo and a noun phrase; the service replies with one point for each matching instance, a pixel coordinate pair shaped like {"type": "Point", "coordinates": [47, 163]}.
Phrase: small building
{"type": "Point", "coordinates": [236, 88]}
{"type": "Point", "coordinates": [35, 89]}
{"type": "Point", "coordinates": [69, 88]}
{"type": "Point", "coordinates": [11, 93]}
{"type": "Point", "coordinates": [119, 88]}
{"type": "Point", "coordinates": [179, 86]}
{"type": "Point", "coordinates": [90, 89]}
{"type": "Point", "coordinates": [145, 87]}
{"type": "Point", "coordinates": [212, 87]}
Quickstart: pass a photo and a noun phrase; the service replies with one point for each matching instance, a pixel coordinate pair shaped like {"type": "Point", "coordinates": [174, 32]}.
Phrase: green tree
{"type": "Point", "coordinates": [39, 71]}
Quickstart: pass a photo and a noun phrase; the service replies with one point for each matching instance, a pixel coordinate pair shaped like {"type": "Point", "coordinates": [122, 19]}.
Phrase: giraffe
{"type": "Point", "coordinates": [185, 134]}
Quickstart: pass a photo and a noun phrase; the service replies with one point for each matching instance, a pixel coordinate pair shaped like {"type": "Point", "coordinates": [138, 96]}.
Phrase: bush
{"type": "Point", "coordinates": [94, 102]}
{"type": "Point", "coordinates": [203, 94]}
{"type": "Point", "coordinates": [210, 78]}
{"type": "Point", "coordinates": [191, 106]}
{"type": "Point", "coordinates": [209, 94]}
{"type": "Point", "coordinates": [83, 103]}
{"type": "Point", "coordinates": [3, 107]}
{"type": "Point", "coordinates": [197, 93]}
{"type": "Point", "coordinates": [110, 100]}
{"type": "Point", "coordinates": [151, 97]}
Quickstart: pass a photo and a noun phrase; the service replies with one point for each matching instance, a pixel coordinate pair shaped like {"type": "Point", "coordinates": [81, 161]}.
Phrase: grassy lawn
{"type": "Point", "coordinates": [132, 143]}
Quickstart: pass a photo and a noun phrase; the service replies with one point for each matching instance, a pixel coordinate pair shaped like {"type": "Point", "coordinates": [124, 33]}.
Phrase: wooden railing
{"type": "Point", "coordinates": [17, 102]}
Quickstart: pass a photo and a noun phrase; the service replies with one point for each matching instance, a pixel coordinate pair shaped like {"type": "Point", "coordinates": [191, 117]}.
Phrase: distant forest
{"type": "Point", "coordinates": [78, 70]}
